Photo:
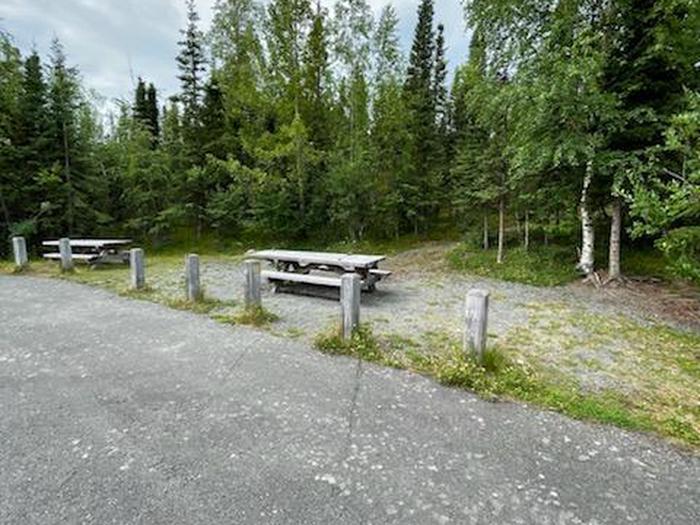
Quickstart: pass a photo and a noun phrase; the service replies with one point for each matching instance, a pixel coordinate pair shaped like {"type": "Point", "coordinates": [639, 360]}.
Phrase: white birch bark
{"type": "Point", "coordinates": [586, 261]}
{"type": "Point", "coordinates": [615, 231]}
{"type": "Point", "coordinates": [501, 228]}
{"type": "Point", "coordinates": [527, 229]}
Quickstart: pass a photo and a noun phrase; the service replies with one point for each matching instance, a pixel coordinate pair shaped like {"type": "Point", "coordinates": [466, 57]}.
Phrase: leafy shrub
{"type": "Point", "coordinates": [681, 247]}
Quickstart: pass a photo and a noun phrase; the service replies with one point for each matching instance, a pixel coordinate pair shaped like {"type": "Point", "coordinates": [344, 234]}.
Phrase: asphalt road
{"type": "Point", "coordinates": [119, 411]}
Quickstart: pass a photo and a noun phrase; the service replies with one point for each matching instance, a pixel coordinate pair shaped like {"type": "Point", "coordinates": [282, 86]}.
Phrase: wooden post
{"type": "Point", "coordinates": [194, 292]}
{"type": "Point", "coordinates": [19, 247]}
{"type": "Point", "coordinates": [252, 283]}
{"type": "Point", "coordinates": [138, 271]}
{"type": "Point", "coordinates": [476, 320]}
{"type": "Point", "coordinates": [350, 291]}
{"type": "Point", "coordinates": [66, 254]}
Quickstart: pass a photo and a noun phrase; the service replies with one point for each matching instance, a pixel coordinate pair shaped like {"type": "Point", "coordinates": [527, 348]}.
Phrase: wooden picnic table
{"type": "Point", "coordinates": [296, 265]}
{"type": "Point", "coordinates": [93, 251]}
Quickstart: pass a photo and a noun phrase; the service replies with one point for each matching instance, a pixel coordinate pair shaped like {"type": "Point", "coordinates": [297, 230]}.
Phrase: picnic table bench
{"type": "Point", "coordinates": [93, 251]}
{"type": "Point", "coordinates": [297, 265]}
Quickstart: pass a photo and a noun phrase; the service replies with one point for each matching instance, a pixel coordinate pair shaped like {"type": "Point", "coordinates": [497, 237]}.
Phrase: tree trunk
{"type": "Point", "coordinates": [527, 229]}
{"type": "Point", "coordinates": [486, 231]}
{"type": "Point", "coordinates": [5, 211]}
{"type": "Point", "coordinates": [586, 260]}
{"type": "Point", "coordinates": [501, 228]}
{"type": "Point", "coordinates": [615, 230]}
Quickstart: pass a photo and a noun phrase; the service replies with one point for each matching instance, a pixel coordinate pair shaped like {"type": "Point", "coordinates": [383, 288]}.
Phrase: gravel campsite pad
{"type": "Point", "coordinates": [598, 339]}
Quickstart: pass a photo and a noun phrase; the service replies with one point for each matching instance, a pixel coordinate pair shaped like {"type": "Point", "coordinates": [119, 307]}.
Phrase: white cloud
{"type": "Point", "coordinates": [115, 41]}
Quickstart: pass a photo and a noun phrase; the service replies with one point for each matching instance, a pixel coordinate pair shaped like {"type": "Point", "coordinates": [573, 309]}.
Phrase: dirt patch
{"type": "Point", "coordinates": [677, 304]}
{"type": "Point", "coordinates": [429, 259]}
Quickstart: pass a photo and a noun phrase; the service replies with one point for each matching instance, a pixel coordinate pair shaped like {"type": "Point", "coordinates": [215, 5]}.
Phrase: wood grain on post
{"type": "Point", "coordinates": [138, 270]}
{"type": "Point", "coordinates": [19, 248]}
{"type": "Point", "coordinates": [252, 283]}
{"type": "Point", "coordinates": [66, 254]}
{"type": "Point", "coordinates": [194, 292]}
{"type": "Point", "coordinates": [476, 320]}
{"type": "Point", "coordinates": [350, 291]}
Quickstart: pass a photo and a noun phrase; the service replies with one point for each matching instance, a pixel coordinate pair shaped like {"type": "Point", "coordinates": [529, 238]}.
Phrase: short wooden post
{"type": "Point", "coordinates": [194, 292]}
{"type": "Point", "coordinates": [138, 270]}
{"type": "Point", "coordinates": [476, 319]}
{"type": "Point", "coordinates": [252, 283]}
{"type": "Point", "coordinates": [350, 291]}
{"type": "Point", "coordinates": [19, 247]}
{"type": "Point", "coordinates": [66, 254]}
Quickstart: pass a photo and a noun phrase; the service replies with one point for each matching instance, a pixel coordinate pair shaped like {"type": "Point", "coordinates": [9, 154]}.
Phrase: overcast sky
{"type": "Point", "coordinates": [115, 41]}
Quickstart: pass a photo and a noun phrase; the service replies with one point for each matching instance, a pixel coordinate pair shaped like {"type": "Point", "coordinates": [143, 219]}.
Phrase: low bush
{"type": "Point", "coordinates": [681, 247]}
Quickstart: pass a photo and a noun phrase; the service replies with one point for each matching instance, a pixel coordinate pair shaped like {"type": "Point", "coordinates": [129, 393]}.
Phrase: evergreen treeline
{"type": "Point", "coordinates": [294, 121]}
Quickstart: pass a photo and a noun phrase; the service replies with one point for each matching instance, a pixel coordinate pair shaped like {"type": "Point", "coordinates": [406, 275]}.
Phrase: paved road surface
{"type": "Point", "coordinates": [117, 411]}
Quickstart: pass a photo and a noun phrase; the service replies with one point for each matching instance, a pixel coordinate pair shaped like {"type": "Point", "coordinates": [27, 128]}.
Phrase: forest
{"type": "Point", "coordinates": [574, 122]}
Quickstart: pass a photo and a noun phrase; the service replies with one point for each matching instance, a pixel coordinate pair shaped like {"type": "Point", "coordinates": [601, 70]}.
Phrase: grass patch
{"type": "Point", "coordinates": [653, 370]}
{"type": "Point", "coordinates": [362, 344]}
{"type": "Point", "coordinates": [254, 316]}
{"type": "Point", "coordinates": [205, 305]}
{"type": "Point", "coordinates": [539, 266]}
{"type": "Point", "coordinates": [501, 375]}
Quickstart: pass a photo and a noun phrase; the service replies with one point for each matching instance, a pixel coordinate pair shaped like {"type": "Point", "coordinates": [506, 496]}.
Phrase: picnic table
{"type": "Point", "coordinates": [297, 265]}
{"type": "Point", "coordinates": [93, 251]}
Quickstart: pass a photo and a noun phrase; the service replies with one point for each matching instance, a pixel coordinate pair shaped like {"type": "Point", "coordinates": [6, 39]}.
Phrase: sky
{"type": "Point", "coordinates": [113, 42]}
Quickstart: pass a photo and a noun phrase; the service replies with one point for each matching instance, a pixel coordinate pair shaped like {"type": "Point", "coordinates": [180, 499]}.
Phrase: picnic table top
{"type": "Point", "coordinates": [304, 257]}
{"type": "Point", "coordinates": [91, 243]}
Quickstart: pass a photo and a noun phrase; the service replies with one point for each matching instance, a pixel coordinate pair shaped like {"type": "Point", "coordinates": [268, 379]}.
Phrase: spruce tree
{"type": "Point", "coordinates": [213, 134]}
{"type": "Point", "coordinates": [33, 140]}
{"type": "Point", "coordinates": [420, 101]}
{"type": "Point", "coordinates": [152, 114]}
{"type": "Point", "coordinates": [140, 104]}
{"type": "Point", "coordinates": [191, 64]}
{"type": "Point", "coordinates": [63, 105]}
{"type": "Point", "coordinates": [11, 187]}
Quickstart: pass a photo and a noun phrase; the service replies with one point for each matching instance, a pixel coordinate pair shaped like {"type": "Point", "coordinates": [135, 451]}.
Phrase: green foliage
{"type": "Point", "coordinates": [681, 247]}
{"type": "Point", "coordinates": [542, 266]}
{"type": "Point", "coordinates": [310, 123]}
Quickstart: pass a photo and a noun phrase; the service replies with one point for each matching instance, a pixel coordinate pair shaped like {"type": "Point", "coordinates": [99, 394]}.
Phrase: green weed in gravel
{"type": "Point", "coordinates": [254, 316]}
{"type": "Point", "coordinates": [362, 345]}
